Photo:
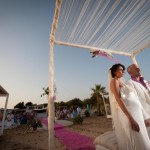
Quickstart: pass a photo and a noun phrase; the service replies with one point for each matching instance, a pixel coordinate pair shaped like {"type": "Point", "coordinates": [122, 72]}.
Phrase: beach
{"type": "Point", "coordinates": [22, 139]}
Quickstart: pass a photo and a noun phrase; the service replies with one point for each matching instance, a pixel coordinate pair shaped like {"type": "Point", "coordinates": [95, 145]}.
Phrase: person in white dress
{"type": "Point", "coordinates": [127, 113]}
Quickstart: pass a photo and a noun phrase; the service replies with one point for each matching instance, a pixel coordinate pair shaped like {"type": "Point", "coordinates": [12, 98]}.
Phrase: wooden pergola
{"type": "Point", "coordinates": [116, 27]}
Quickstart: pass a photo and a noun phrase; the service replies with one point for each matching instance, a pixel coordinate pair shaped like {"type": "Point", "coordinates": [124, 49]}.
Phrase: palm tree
{"type": "Point", "coordinates": [98, 92]}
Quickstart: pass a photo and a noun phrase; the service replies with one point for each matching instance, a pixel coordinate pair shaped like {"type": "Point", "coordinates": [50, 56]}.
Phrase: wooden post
{"type": "Point", "coordinates": [134, 59]}
{"type": "Point", "coordinates": [51, 101]}
{"type": "Point", "coordinates": [51, 80]}
{"type": "Point", "coordinates": [4, 114]}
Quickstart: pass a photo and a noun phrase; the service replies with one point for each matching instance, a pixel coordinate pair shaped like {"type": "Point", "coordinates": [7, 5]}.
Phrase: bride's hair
{"type": "Point", "coordinates": [114, 68]}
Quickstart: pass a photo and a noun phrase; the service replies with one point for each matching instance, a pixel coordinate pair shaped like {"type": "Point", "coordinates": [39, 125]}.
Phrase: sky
{"type": "Point", "coordinates": [25, 27]}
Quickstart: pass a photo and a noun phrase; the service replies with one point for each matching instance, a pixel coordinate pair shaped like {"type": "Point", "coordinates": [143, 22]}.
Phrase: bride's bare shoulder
{"type": "Point", "coordinates": [114, 85]}
{"type": "Point", "coordinates": [113, 80]}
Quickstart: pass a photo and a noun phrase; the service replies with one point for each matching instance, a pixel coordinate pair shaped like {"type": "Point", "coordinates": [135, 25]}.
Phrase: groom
{"type": "Point", "coordinates": [141, 89]}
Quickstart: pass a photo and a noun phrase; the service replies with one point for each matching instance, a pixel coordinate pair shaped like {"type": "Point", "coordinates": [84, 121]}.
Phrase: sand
{"type": "Point", "coordinates": [20, 139]}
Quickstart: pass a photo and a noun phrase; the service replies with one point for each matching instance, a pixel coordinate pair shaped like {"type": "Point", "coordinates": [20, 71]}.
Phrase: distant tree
{"type": "Point", "coordinates": [20, 105]}
{"type": "Point", "coordinates": [62, 103]}
{"type": "Point", "coordinates": [85, 102]}
{"type": "Point", "coordinates": [93, 101]}
{"type": "Point", "coordinates": [28, 104]}
{"type": "Point", "coordinates": [75, 102]}
{"type": "Point", "coordinates": [98, 91]}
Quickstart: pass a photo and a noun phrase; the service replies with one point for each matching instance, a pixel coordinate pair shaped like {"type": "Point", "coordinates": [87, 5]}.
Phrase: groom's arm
{"type": "Point", "coordinates": [145, 115]}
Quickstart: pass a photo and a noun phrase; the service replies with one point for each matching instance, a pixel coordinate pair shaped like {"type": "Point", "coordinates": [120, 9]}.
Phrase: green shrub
{"type": "Point", "coordinates": [35, 123]}
{"type": "Point", "coordinates": [77, 120]}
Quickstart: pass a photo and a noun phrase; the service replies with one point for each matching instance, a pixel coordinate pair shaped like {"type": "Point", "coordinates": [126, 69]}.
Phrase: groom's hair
{"type": "Point", "coordinates": [114, 69]}
{"type": "Point", "coordinates": [129, 68]}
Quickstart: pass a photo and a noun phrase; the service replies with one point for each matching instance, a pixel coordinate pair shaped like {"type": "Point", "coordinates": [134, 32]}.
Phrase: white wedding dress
{"type": "Point", "coordinates": [127, 138]}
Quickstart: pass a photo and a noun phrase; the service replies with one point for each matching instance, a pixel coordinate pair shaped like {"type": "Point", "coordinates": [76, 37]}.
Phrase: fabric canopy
{"type": "Point", "coordinates": [116, 26]}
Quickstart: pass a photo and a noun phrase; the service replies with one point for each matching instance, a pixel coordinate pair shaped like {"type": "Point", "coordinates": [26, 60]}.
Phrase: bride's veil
{"type": "Point", "coordinates": [114, 113]}
{"type": "Point", "coordinates": [111, 98]}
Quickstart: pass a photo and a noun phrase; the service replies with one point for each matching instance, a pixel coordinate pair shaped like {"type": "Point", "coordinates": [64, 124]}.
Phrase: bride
{"type": "Point", "coordinates": [127, 113]}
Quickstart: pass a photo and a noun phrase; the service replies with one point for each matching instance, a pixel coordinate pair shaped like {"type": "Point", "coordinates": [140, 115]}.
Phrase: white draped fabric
{"type": "Point", "coordinates": [118, 26]}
